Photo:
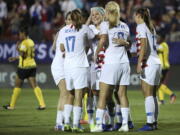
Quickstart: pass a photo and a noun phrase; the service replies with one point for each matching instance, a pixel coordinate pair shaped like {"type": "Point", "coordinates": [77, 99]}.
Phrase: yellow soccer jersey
{"type": "Point", "coordinates": [163, 52]}
{"type": "Point", "coordinates": [27, 47]}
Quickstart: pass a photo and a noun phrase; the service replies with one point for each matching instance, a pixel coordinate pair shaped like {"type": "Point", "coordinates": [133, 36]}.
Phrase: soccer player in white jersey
{"type": "Point", "coordinates": [57, 70]}
{"type": "Point", "coordinates": [76, 65]}
{"type": "Point", "coordinates": [116, 70]}
{"type": "Point", "coordinates": [149, 66]}
{"type": "Point", "coordinates": [94, 21]}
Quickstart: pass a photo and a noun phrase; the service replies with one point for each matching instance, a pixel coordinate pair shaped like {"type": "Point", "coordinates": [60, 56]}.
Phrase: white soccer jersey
{"type": "Point", "coordinates": [115, 53]}
{"type": "Point", "coordinates": [57, 66]}
{"type": "Point", "coordinates": [58, 54]}
{"type": "Point", "coordinates": [142, 31]}
{"type": "Point", "coordinates": [75, 42]}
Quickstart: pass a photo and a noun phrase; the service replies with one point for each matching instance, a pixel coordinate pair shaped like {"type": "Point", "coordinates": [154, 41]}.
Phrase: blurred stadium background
{"type": "Point", "coordinates": [44, 18]}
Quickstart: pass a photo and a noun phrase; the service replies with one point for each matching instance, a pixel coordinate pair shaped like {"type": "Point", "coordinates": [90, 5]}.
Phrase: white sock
{"type": "Point", "coordinates": [59, 118]}
{"type": "Point", "coordinates": [125, 112]}
{"type": "Point", "coordinates": [95, 99]}
{"type": "Point", "coordinates": [77, 110]}
{"type": "Point", "coordinates": [150, 109]}
{"type": "Point", "coordinates": [118, 114]}
{"type": "Point", "coordinates": [90, 110]}
{"type": "Point", "coordinates": [156, 109]}
{"type": "Point", "coordinates": [129, 116]}
{"type": "Point", "coordinates": [99, 116]}
{"type": "Point", "coordinates": [67, 113]}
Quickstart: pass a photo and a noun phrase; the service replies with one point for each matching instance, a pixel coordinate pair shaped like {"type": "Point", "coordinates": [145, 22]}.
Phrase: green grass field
{"type": "Point", "coordinates": [26, 120]}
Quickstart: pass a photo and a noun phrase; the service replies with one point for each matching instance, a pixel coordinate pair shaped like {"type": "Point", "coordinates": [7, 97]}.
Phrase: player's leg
{"type": "Point", "coordinates": [118, 114]}
{"type": "Point", "coordinates": [68, 108]}
{"type": "Point", "coordinates": [61, 102]}
{"type": "Point", "coordinates": [111, 112]}
{"type": "Point", "coordinates": [90, 109]}
{"type": "Point", "coordinates": [164, 88]}
{"type": "Point", "coordinates": [161, 95]}
{"type": "Point", "coordinates": [77, 108]}
{"type": "Point", "coordinates": [38, 93]}
{"type": "Point", "coordinates": [16, 92]}
{"type": "Point", "coordinates": [149, 106]}
{"type": "Point", "coordinates": [105, 92]}
{"type": "Point", "coordinates": [156, 113]}
{"type": "Point", "coordinates": [122, 93]}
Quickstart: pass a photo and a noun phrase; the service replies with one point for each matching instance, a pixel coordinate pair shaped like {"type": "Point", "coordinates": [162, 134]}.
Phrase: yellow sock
{"type": "Point", "coordinates": [14, 96]}
{"type": "Point", "coordinates": [161, 94]}
{"type": "Point", "coordinates": [39, 96]}
{"type": "Point", "coordinates": [85, 117]}
{"type": "Point", "coordinates": [166, 90]}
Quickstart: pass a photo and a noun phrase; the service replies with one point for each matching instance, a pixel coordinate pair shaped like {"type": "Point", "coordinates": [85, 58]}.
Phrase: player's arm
{"type": "Point", "coordinates": [54, 42]}
{"type": "Point", "coordinates": [101, 44]}
{"type": "Point", "coordinates": [142, 53]}
{"type": "Point", "coordinates": [121, 42]}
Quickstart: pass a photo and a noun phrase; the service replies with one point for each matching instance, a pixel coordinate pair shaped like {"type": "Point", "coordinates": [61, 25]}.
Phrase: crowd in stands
{"type": "Point", "coordinates": [44, 17]}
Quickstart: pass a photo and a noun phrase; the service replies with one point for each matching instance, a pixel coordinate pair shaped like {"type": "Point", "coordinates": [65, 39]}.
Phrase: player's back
{"type": "Point", "coordinates": [27, 47]}
{"type": "Point", "coordinates": [144, 32]}
{"type": "Point", "coordinates": [115, 53]}
{"type": "Point", "coordinates": [74, 43]}
{"type": "Point", "coordinates": [163, 52]}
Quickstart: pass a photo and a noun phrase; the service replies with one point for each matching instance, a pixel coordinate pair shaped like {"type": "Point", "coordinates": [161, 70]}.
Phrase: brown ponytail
{"type": "Point", "coordinates": [76, 17]}
{"type": "Point", "coordinates": [145, 14]}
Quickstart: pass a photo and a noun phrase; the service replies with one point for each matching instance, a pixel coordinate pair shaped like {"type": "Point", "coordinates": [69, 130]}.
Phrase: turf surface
{"type": "Point", "coordinates": [26, 120]}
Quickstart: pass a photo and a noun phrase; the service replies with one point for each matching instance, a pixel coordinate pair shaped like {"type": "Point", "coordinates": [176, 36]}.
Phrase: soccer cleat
{"type": "Point", "coordinates": [161, 102]}
{"type": "Point", "coordinates": [97, 128]}
{"type": "Point", "coordinates": [59, 128]}
{"type": "Point", "coordinates": [146, 127]}
{"type": "Point", "coordinates": [7, 107]}
{"type": "Point", "coordinates": [130, 125]}
{"type": "Point", "coordinates": [124, 128]}
{"type": "Point", "coordinates": [107, 127]}
{"type": "Point", "coordinates": [91, 127]}
{"type": "Point", "coordinates": [117, 126]}
{"type": "Point", "coordinates": [67, 127]}
{"type": "Point", "coordinates": [77, 129]}
{"type": "Point", "coordinates": [172, 98]}
{"type": "Point", "coordinates": [41, 108]}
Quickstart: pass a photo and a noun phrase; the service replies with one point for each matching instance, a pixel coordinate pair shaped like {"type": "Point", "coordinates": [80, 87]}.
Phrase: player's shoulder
{"type": "Point", "coordinates": [124, 26]}
{"type": "Point", "coordinates": [27, 42]}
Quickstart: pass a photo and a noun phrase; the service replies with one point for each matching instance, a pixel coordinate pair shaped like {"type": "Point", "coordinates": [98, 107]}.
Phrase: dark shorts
{"type": "Point", "coordinates": [26, 73]}
{"type": "Point", "coordinates": [164, 76]}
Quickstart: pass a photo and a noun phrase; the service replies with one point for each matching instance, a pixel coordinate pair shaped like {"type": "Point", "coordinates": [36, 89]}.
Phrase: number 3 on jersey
{"type": "Point", "coordinates": [70, 42]}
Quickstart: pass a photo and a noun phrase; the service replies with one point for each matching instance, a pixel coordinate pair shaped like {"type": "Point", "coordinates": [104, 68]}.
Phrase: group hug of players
{"type": "Point", "coordinates": [93, 56]}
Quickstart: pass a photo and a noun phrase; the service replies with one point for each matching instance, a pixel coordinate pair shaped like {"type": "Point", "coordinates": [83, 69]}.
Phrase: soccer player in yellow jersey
{"type": "Point", "coordinates": [163, 52]}
{"type": "Point", "coordinates": [26, 70]}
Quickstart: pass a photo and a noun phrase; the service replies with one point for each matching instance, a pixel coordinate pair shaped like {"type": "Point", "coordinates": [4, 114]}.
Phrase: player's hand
{"type": "Point", "coordinates": [139, 68]}
{"type": "Point", "coordinates": [11, 59]}
{"type": "Point", "coordinates": [120, 41]}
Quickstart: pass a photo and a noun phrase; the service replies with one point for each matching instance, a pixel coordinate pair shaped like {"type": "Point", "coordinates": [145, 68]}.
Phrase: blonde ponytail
{"type": "Point", "coordinates": [113, 13]}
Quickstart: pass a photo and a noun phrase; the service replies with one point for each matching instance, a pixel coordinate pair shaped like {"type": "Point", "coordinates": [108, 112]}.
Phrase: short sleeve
{"type": "Point", "coordinates": [141, 31]}
{"type": "Point", "coordinates": [104, 26]}
{"type": "Point", "coordinates": [60, 39]}
{"type": "Point", "coordinates": [23, 48]}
